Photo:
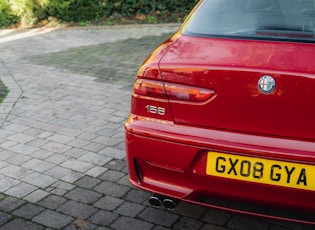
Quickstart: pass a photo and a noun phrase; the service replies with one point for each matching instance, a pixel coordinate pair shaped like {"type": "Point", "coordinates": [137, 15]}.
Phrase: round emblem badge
{"type": "Point", "coordinates": [266, 84]}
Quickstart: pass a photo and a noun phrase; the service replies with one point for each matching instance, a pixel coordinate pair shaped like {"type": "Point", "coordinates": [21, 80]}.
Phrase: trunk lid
{"type": "Point", "coordinates": [233, 68]}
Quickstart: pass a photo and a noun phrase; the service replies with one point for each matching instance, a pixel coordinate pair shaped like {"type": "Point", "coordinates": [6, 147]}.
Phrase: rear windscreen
{"type": "Point", "coordinates": [275, 19]}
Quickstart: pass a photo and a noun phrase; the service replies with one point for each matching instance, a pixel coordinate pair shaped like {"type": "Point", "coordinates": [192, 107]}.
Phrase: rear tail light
{"type": "Point", "coordinates": [187, 93]}
{"type": "Point", "coordinates": [149, 88]}
{"type": "Point", "coordinates": [177, 92]}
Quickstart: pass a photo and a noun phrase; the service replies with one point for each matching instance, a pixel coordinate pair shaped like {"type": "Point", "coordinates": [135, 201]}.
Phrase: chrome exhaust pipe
{"type": "Point", "coordinates": [155, 200]}
{"type": "Point", "coordinates": [170, 204]}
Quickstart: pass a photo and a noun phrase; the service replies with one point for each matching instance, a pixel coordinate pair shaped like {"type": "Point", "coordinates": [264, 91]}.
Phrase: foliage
{"type": "Point", "coordinates": [75, 10]}
{"type": "Point", "coordinates": [38, 12]}
{"type": "Point", "coordinates": [132, 7]}
{"type": "Point", "coordinates": [3, 91]}
{"type": "Point", "coordinates": [7, 16]}
{"type": "Point", "coordinates": [152, 11]}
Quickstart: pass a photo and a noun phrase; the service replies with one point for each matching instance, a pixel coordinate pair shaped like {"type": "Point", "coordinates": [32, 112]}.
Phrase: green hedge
{"type": "Point", "coordinates": [7, 15]}
{"type": "Point", "coordinates": [31, 12]}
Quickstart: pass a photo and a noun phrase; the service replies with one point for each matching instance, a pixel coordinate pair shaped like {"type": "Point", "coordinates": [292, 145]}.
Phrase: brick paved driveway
{"type": "Point", "coordinates": [61, 139]}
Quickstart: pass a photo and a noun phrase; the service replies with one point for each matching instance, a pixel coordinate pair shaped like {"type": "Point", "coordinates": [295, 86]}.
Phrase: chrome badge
{"type": "Point", "coordinates": [266, 84]}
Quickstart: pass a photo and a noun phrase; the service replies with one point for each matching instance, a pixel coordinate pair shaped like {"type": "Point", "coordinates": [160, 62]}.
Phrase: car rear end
{"type": "Point", "coordinates": [223, 112]}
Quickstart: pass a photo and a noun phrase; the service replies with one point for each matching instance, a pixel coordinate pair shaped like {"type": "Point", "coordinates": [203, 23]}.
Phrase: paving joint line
{"type": "Point", "coordinates": [15, 92]}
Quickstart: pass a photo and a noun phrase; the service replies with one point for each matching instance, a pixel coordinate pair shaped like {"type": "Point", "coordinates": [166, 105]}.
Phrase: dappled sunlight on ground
{"type": "Point", "coordinates": [12, 34]}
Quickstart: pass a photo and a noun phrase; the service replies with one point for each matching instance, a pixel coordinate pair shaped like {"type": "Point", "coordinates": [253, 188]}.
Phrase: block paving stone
{"type": "Point", "coordinates": [76, 209]}
{"type": "Point", "coordinates": [21, 224]}
{"type": "Point", "coordinates": [88, 182]}
{"type": "Point", "coordinates": [4, 218]}
{"type": "Point", "coordinates": [103, 218]}
{"type": "Point", "coordinates": [83, 195]}
{"type": "Point", "coordinates": [62, 150]}
{"type": "Point", "coordinates": [10, 204]}
{"type": "Point", "coordinates": [111, 189]}
{"type": "Point", "coordinates": [130, 209]}
{"type": "Point", "coordinates": [126, 223]}
{"type": "Point", "coordinates": [21, 190]}
{"type": "Point", "coordinates": [108, 203]}
{"type": "Point", "coordinates": [28, 211]}
{"type": "Point", "coordinates": [53, 219]}
{"type": "Point", "coordinates": [52, 202]}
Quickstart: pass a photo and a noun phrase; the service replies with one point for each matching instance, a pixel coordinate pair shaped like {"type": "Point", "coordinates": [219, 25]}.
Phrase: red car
{"type": "Point", "coordinates": [223, 112]}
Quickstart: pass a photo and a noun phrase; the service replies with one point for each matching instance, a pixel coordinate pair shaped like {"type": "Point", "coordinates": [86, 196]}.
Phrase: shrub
{"type": "Point", "coordinates": [75, 10]}
{"type": "Point", "coordinates": [7, 16]}
{"type": "Point", "coordinates": [133, 7]}
{"type": "Point", "coordinates": [30, 12]}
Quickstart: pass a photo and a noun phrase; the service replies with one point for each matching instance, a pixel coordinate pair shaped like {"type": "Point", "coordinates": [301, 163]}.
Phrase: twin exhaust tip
{"type": "Point", "coordinates": [157, 200]}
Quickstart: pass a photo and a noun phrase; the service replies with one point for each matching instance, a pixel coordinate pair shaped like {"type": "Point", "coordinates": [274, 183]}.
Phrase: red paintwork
{"type": "Point", "coordinates": [232, 69]}
{"type": "Point", "coordinates": [172, 159]}
{"type": "Point", "coordinates": [170, 150]}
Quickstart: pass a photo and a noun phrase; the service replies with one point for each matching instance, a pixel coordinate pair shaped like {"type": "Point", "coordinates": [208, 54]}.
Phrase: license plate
{"type": "Point", "coordinates": [251, 169]}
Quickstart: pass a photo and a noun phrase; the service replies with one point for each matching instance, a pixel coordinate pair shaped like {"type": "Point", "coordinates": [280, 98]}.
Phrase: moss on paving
{"type": "Point", "coordinates": [3, 91]}
{"type": "Point", "coordinates": [111, 62]}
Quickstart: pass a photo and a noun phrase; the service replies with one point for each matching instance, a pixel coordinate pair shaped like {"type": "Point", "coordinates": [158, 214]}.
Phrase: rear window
{"type": "Point", "coordinates": [258, 19]}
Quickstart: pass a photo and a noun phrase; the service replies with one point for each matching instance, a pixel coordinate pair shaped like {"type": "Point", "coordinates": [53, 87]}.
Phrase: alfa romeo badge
{"type": "Point", "coordinates": [267, 84]}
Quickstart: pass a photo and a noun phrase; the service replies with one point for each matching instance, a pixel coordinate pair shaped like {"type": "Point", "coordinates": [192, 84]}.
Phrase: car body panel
{"type": "Point", "coordinates": [171, 159]}
{"type": "Point", "coordinates": [232, 68]}
{"type": "Point", "coordinates": [237, 142]}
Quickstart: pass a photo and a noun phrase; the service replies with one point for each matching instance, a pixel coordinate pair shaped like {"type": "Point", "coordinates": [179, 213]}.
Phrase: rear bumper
{"type": "Point", "coordinates": [171, 160]}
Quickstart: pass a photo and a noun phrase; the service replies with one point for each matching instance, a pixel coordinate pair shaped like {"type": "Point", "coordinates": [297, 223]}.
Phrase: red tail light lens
{"type": "Point", "coordinates": [157, 89]}
{"type": "Point", "coordinates": [188, 93]}
{"type": "Point", "coordinates": [149, 88]}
